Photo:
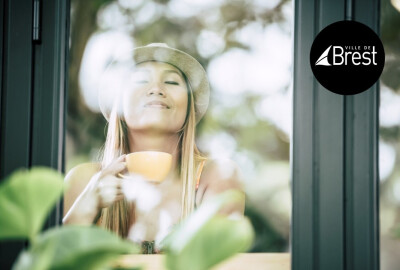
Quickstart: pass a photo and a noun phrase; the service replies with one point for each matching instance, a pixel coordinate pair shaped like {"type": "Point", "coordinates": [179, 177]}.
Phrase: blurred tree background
{"type": "Point", "coordinates": [245, 46]}
{"type": "Point", "coordinates": [389, 146]}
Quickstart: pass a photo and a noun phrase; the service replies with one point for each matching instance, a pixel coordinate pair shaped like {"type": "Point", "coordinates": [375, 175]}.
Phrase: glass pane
{"type": "Point", "coordinates": [245, 48]}
{"type": "Point", "coordinates": [389, 144]}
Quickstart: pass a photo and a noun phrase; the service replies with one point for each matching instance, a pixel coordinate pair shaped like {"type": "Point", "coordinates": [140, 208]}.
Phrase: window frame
{"type": "Point", "coordinates": [33, 94]}
{"type": "Point", "coordinates": [335, 214]}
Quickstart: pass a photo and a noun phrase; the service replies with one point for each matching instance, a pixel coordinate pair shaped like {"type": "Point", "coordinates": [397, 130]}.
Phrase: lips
{"type": "Point", "coordinates": [156, 104]}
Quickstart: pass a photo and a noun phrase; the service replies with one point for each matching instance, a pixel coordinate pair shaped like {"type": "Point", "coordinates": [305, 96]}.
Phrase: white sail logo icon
{"type": "Point", "coordinates": [323, 59]}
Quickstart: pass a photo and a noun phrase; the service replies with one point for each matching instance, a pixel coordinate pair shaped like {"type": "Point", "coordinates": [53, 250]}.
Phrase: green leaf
{"type": "Point", "coordinates": [38, 260]}
{"type": "Point", "coordinates": [26, 198]}
{"type": "Point", "coordinates": [185, 231]}
{"type": "Point", "coordinates": [74, 247]}
{"type": "Point", "coordinates": [219, 239]}
{"type": "Point", "coordinates": [205, 239]}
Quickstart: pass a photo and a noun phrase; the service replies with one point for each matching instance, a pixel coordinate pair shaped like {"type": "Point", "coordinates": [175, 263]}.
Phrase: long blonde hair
{"type": "Point", "coordinates": [120, 215]}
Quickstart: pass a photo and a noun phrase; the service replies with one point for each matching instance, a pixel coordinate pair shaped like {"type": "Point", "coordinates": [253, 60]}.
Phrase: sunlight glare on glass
{"type": "Point", "coordinates": [150, 12]}
{"type": "Point", "coordinates": [209, 43]}
{"type": "Point", "coordinates": [111, 17]}
{"type": "Point", "coordinates": [389, 109]}
{"type": "Point", "coordinates": [137, 232]}
{"type": "Point", "coordinates": [220, 146]}
{"type": "Point", "coordinates": [246, 162]}
{"type": "Point", "coordinates": [278, 110]}
{"type": "Point", "coordinates": [189, 8]}
{"type": "Point", "coordinates": [265, 68]}
{"type": "Point", "coordinates": [387, 156]}
{"type": "Point", "coordinates": [145, 195]}
{"type": "Point", "coordinates": [100, 51]}
{"type": "Point", "coordinates": [164, 226]}
{"type": "Point", "coordinates": [396, 190]}
{"type": "Point", "coordinates": [265, 4]}
{"type": "Point", "coordinates": [129, 4]}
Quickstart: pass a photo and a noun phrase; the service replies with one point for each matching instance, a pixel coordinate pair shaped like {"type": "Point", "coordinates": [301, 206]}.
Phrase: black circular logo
{"type": "Point", "coordinates": [347, 57]}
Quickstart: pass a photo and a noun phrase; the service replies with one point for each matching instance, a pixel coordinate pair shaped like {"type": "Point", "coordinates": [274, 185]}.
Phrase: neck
{"type": "Point", "coordinates": [150, 141]}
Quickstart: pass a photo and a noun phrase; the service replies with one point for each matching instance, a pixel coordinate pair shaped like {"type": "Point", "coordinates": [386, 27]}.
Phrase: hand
{"type": "Point", "coordinates": [102, 190]}
{"type": "Point", "coordinates": [106, 186]}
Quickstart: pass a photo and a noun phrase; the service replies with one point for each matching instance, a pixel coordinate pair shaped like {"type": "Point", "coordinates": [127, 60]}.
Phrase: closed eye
{"type": "Point", "coordinates": [172, 82]}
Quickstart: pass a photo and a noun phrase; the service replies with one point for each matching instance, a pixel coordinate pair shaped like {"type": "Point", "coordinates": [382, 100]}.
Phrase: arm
{"type": "Point", "coordinates": [219, 176]}
{"type": "Point", "coordinates": [79, 206]}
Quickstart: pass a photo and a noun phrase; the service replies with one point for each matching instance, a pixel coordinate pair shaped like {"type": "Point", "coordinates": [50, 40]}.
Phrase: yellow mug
{"type": "Point", "coordinates": [153, 165]}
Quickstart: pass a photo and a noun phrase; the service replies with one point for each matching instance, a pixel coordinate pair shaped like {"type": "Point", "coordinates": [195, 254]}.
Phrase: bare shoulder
{"type": "Point", "coordinates": [76, 180]}
{"type": "Point", "coordinates": [221, 172]}
{"type": "Point", "coordinates": [82, 173]}
{"type": "Point", "coordinates": [218, 176]}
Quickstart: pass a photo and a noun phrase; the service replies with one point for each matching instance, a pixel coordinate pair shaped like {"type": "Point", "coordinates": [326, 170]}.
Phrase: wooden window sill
{"type": "Point", "coordinates": [272, 261]}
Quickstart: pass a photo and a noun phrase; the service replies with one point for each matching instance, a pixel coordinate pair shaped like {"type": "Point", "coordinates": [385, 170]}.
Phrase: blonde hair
{"type": "Point", "coordinates": [120, 215]}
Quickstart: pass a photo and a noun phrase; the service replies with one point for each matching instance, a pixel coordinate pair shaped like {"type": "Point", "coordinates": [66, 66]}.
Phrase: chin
{"type": "Point", "coordinates": [156, 122]}
{"type": "Point", "coordinates": [163, 127]}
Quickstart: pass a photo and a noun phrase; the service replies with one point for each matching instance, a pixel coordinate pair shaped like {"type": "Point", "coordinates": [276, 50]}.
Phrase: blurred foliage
{"type": "Point", "coordinates": [390, 134]}
{"type": "Point", "coordinates": [255, 135]}
{"type": "Point", "coordinates": [26, 198]}
{"type": "Point", "coordinates": [18, 202]}
{"type": "Point", "coordinates": [389, 186]}
{"type": "Point", "coordinates": [205, 239]}
{"type": "Point", "coordinates": [74, 247]}
{"type": "Point", "coordinates": [390, 35]}
{"type": "Point", "coordinates": [267, 237]}
{"type": "Point", "coordinates": [201, 241]}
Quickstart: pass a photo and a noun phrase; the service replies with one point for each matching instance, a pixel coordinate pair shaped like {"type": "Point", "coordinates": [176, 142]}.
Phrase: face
{"type": "Point", "coordinates": [156, 98]}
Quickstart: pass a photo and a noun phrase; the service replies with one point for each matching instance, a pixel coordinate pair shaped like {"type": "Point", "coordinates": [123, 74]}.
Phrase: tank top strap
{"type": "Point", "coordinates": [199, 171]}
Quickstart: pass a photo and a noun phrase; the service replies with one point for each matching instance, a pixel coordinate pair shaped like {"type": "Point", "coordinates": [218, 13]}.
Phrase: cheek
{"type": "Point", "coordinates": [130, 103]}
{"type": "Point", "coordinates": [181, 102]}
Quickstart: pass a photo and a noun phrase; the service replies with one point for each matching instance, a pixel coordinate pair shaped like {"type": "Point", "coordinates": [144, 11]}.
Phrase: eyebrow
{"type": "Point", "coordinates": [172, 71]}
{"type": "Point", "coordinates": [165, 71]}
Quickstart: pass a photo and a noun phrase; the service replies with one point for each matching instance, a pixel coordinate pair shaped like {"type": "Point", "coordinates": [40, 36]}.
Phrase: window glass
{"type": "Point", "coordinates": [389, 139]}
{"type": "Point", "coordinates": [246, 50]}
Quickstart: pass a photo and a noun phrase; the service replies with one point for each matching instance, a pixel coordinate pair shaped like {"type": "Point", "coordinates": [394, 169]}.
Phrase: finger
{"type": "Point", "coordinates": [109, 189]}
{"type": "Point", "coordinates": [126, 170]}
{"type": "Point", "coordinates": [108, 183]}
{"type": "Point", "coordinates": [115, 168]}
{"type": "Point", "coordinates": [111, 196]}
{"type": "Point", "coordinates": [119, 197]}
{"type": "Point", "coordinates": [121, 158]}
{"type": "Point", "coordinates": [111, 179]}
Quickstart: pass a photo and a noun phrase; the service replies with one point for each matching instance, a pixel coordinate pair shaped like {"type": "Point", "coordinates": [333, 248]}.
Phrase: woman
{"type": "Point", "coordinates": [157, 109]}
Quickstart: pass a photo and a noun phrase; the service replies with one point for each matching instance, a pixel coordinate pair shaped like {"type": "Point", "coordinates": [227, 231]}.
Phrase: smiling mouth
{"type": "Point", "coordinates": [156, 105]}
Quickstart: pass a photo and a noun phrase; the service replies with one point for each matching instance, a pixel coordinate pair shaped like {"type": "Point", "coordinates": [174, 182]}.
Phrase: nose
{"type": "Point", "coordinates": [156, 90]}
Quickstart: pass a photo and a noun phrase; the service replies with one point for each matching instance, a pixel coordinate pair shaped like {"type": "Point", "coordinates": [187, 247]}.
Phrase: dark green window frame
{"type": "Point", "coordinates": [335, 180]}
{"type": "Point", "coordinates": [32, 91]}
